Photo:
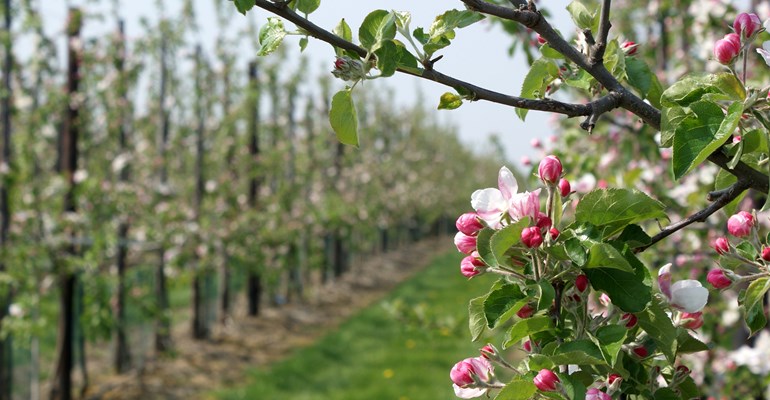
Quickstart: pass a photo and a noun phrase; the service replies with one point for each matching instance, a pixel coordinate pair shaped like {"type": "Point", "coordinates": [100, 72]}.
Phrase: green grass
{"type": "Point", "coordinates": [400, 348]}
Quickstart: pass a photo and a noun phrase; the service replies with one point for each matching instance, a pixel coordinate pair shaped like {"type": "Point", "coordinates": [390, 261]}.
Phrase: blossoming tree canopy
{"type": "Point", "coordinates": [575, 288]}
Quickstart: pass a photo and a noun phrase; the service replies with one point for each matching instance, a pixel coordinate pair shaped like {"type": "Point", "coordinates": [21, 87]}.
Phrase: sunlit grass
{"type": "Point", "coordinates": [400, 348]}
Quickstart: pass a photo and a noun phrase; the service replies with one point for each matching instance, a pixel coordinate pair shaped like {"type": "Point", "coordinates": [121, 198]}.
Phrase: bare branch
{"type": "Point", "coordinates": [597, 52]}
{"type": "Point", "coordinates": [604, 104]}
{"type": "Point", "coordinates": [726, 196]}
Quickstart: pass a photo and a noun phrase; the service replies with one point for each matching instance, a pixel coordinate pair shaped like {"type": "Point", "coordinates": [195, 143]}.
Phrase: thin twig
{"type": "Point", "coordinates": [727, 196]}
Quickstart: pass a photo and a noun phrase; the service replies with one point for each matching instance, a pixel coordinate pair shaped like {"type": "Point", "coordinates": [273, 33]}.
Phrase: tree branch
{"type": "Point", "coordinates": [725, 197]}
{"type": "Point", "coordinates": [597, 52]}
{"type": "Point", "coordinates": [603, 104]}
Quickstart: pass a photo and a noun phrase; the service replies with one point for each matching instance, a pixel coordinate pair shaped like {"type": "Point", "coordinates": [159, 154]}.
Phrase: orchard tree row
{"type": "Point", "coordinates": [132, 168]}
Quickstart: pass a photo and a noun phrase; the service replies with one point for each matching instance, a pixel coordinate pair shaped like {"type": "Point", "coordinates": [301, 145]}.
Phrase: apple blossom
{"type": "Point", "coordinates": [546, 380]}
{"type": "Point", "coordinates": [488, 351]}
{"type": "Point", "coordinates": [717, 278]}
{"type": "Point", "coordinates": [469, 224]}
{"type": "Point", "coordinates": [465, 374]}
{"type": "Point", "coordinates": [740, 224]}
{"type": "Point", "coordinates": [531, 237]}
{"type": "Point", "coordinates": [564, 187]}
{"type": "Point", "coordinates": [629, 47]}
{"type": "Point", "coordinates": [725, 50]}
{"type": "Point", "coordinates": [581, 283]}
{"type": "Point", "coordinates": [493, 204]}
{"type": "Point", "coordinates": [692, 320]}
{"type": "Point", "coordinates": [766, 253]}
{"type": "Point", "coordinates": [721, 245]}
{"type": "Point", "coordinates": [629, 320]}
{"type": "Point", "coordinates": [765, 53]}
{"type": "Point", "coordinates": [465, 244]}
{"type": "Point", "coordinates": [554, 233]}
{"type": "Point", "coordinates": [747, 24]}
{"type": "Point", "coordinates": [550, 169]}
{"type": "Point", "coordinates": [526, 311]}
{"type": "Point", "coordinates": [543, 222]}
{"type": "Point", "coordinates": [596, 394]}
{"type": "Point", "coordinates": [687, 295]}
{"type": "Point", "coordinates": [471, 266]}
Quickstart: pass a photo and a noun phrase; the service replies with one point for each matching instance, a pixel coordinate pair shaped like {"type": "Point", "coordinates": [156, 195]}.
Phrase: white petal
{"type": "Point", "coordinates": [767, 25]}
{"type": "Point", "coordinates": [765, 52]}
{"type": "Point", "coordinates": [489, 204]}
{"type": "Point", "coordinates": [468, 393]}
{"type": "Point", "coordinates": [507, 183]}
{"type": "Point", "coordinates": [689, 295]}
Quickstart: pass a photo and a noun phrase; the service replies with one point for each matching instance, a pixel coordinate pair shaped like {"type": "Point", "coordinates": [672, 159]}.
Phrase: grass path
{"type": "Point", "coordinates": [400, 348]}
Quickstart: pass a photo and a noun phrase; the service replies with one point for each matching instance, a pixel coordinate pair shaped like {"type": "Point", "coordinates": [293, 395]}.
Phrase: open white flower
{"type": "Point", "coordinates": [765, 52]}
{"type": "Point", "coordinates": [492, 204]}
{"type": "Point", "coordinates": [687, 295]}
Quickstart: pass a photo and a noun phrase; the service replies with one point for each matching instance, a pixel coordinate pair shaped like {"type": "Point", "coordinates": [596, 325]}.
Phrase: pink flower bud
{"type": "Point", "coordinates": [527, 346]}
{"type": "Point", "coordinates": [546, 380]}
{"type": "Point", "coordinates": [737, 139]}
{"type": "Point", "coordinates": [535, 142]}
{"type": "Point", "coordinates": [681, 372]}
{"type": "Point", "coordinates": [471, 266]}
{"type": "Point", "coordinates": [721, 245]}
{"type": "Point", "coordinates": [525, 161]}
{"type": "Point", "coordinates": [613, 377]}
{"type": "Point", "coordinates": [554, 233]}
{"type": "Point", "coordinates": [734, 38]}
{"type": "Point", "coordinates": [465, 244]}
{"type": "Point", "coordinates": [488, 351]}
{"type": "Point", "coordinates": [717, 278]}
{"type": "Point", "coordinates": [605, 300]}
{"type": "Point", "coordinates": [692, 320]}
{"type": "Point", "coordinates": [596, 394]}
{"type": "Point", "coordinates": [462, 374]}
{"type": "Point", "coordinates": [629, 47]}
{"type": "Point", "coordinates": [541, 40]}
{"type": "Point", "coordinates": [739, 225]}
{"type": "Point", "coordinates": [543, 222]}
{"type": "Point", "coordinates": [469, 224]}
{"type": "Point", "coordinates": [564, 187]}
{"type": "Point", "coordinates": [550, 169]}
{"type": "Point", "coordinates": [581, 283]}
{"type": "Point", "coordinates": [525, 312]}
{"type": "Point", "coordinates": [531, 237]}
{"type": "Point", "coordinates": [725, 50]}
{"type": "Point", "coordinates": [766, 253]}
{"type": "Point", "coordinates": [629, 320]}
{"type": "Point", "coordinates": [747, 25]}
{"type": "Point", "coordinates": [640, 351]}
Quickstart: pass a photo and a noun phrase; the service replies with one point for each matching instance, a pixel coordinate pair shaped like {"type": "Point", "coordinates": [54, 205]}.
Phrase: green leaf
{"type": "Point", "coordinates": [526, 327]}
{"type": "Point", "coordinates": [694, 87]}
{"type": "Point", "coordinates": [630, 291]}
{"type": "Point", "coordinates": [243, 5]}
{"type": "Point", "coordinates": [270, 36]}
{"type": "Point", "coordinates": [308, 6]}
{"type": "Point", "coordinates": [639, 75]}
{"type": "Point", "coordinates": [446, 23]}
{"type": "Point", "coordinates": [666, 394]}
{"type": "Point", "coordinates": [476, 320]}
{"type": "Point", "coordinates": [584, 350]}
{"type": "Point", "coordinates": [501, 303]}
{"type": "Point", "coordinates": [574, 388]}
{"type": "Point", "coordinates": [658, 325]}
{"type": "Point", "coordinates": [617, 208]}
{"type": "Point", "coordinates": [303, 44]}
{"type": "Point", "coordinates": [549, 52]}
{"type": "Point", "coordinates": [484, 246]}
{"type": "Point", "coordinates": [583, 18]}
{"type": "Point", "coordinates": [519, 388]}
{"type": "Point", "coordinates": [699, 135]}
{"type": "Point", "coordinates": [343, 118]}
{"type": "Point", "coordinates": [634, 236]}
{"type": "Point", "coordinates": [751, 301]}
{"type": "Point", "coordinates": [576, 252]}
{"type": "Point", "coordinates": [615, 60]}
{"type": "Point", "coordinates": [505, 238]}
{"type": "Point", "coordinates": [378, 26]}
{"type": "Point", "coordinates": [603, 255]}
{"type": "Point", "coordinates": [670, 119]}
{"type": "Point", "coordinates": [403, 19]}
{"type": "Point", "coordinates": [449, 101]}
{"type": "Point", "coordinates": [540, 75]}
{"type": "Point", "coordinates": [754, 140]}
{"type": "Point", "coordinates": [610, 340]}
{"type": "Point", "coordinates": [387, 58]}
{"type": "Point", "coordinates": [687, 344]}
{"type": "Point", "coordinates": [343, 30]}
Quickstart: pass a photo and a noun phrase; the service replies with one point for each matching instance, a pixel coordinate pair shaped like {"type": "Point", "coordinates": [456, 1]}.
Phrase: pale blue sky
{"type": "Point", "coordinates": [479, 55]}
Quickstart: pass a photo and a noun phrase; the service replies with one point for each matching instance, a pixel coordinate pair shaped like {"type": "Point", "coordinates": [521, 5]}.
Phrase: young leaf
{"type": "Point", "coordinates": [610, 340]}
{"type": "Point", "coordinates": [503, 239]}
{"type": "Point", "coordinates": [378, 26]}
{"type": "Point", "coordinates": [343, 30]}
{"type": "Point", "coordinates": [449, 101]}
{"type": "Point", "coordinates": [751, 302]}
{"type": "Point", "coordinates": [583, 18]}
{"type": "Point", "coordinates": [476, 320]}
{"type": "Point", "coordinates": [484, 247]}
{"type": "Point", "coordinates": [270, 36]}
{"type": "Point", "coordinates": [540, 75]}
{"type": "Point", "coordinates": [302, 44]}
{"type": "Point", "coordinates": [699, 135]}
{"type": "Point", "coordinates": [502, 303]}
{"type": "Point", "coordinates": [617, 208]}
{"type": "Point", "coordinates": [603, 255]}
{"type": "Point", "coordinates": [520, 388]}
{"type": "Point", "coordinates": [639, 75]}
{"type": "Point", "coordinates": [343, 118]}
{"type": "Point", "coordinates": [526, 327]}
{"type": "Point", "coordinates": [308, 6]}
{"type": "Point", "coordinates": [627, 290]}
{"type": "Point", "coordinates": [243, 5]}
{"type": "Point", "coordinates": [387, 58]}
{"type": "Point", "coordinates": [658, 325]}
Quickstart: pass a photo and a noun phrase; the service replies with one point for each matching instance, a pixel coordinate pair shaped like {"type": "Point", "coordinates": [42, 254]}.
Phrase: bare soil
{"type": "Point", "coordinates": [198, 367]}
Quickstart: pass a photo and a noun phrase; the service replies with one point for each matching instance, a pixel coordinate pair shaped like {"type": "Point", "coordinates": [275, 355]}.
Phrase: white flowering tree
{"type": "Point", "coordinates": [678, 139]}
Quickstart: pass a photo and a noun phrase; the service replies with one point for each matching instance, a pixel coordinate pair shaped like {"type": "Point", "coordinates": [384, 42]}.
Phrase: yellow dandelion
{"type": "Point", "coordinates": [388, 373]}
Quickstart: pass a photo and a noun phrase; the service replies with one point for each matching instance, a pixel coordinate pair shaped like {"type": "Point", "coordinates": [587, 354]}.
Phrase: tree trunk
{"type": "Point", "coordinates": [254, 286]}
{"type": "Point", "coordinates": [61, 388]}
{"type": "Point", "coordinates": [6, 349]}
{"type": "Point", "coordinates": [199, 323]}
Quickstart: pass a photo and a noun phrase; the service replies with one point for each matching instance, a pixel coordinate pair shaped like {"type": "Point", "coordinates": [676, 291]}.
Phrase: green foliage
{"type": "Point", "coordinates": [541, 74]}
{"type": "Point", "coordinates": [378, 27]}
{"type": "Point", "coordinates": [519, 388]}
{"type": "Point", "coordinates": [271, 35]}
{"type": "Point", "coordinates": [442, 31]}
{"type": "Point", "coordinates": [751, 301]}
{"type": "Point", "coordinates": [343, 118]}
{"type": "Point", "coordinates": [449, 101]}
{"type": "Point", "coordinates": [614, 209]}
